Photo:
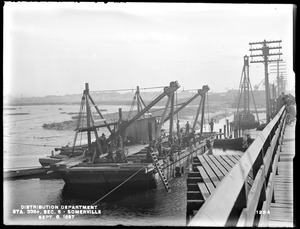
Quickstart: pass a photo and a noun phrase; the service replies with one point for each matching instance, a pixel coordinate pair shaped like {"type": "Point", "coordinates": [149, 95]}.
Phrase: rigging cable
{"type": "Point", "coordinates": [131, 107]}
{"type": "Point", "coordinates": [145, 88]}
{"type": "Point", "coordinates": [254, 102]}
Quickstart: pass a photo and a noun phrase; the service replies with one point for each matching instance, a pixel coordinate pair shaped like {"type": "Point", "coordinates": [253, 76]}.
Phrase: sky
{"type": "Point", "coordinates": [55, 48]}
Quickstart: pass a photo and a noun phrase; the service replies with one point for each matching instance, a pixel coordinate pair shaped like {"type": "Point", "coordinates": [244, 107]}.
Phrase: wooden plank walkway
{"type": "Point", "coordinates": [281, 212]}
{"type": "Point", "coordinates": [213, 169]}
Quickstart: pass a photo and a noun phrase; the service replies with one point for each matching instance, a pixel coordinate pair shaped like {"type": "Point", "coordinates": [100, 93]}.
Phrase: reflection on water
{"type": "Point", "coordinates": [126, 207]}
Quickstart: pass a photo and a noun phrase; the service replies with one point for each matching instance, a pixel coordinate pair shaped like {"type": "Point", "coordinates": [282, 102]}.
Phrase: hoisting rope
{"type": "Point", "coordinates": [82, 121]}
{"type": "Point", "coordinates": [254, 101]}
{"type": "Point", "coordinates": [131, 108]}
{"type": "Point", "coordinates": [118, 186]}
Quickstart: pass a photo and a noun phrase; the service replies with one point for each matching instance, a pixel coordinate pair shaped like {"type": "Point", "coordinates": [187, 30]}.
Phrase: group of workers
{"type": "Point", "coordinates": [113, 148]}
{"type": "Point", "coordinates": [289, 101]}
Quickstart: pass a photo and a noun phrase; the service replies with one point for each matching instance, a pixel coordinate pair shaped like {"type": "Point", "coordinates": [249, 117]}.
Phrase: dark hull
{"type": "Point", "coordinates": [107, 178]}
{"type": "Point", "coordinates": [103, 182]}
{"type": "Point", "coordinates": [233, 144]}
{"type": "Point", "coordinates": [130, 175]}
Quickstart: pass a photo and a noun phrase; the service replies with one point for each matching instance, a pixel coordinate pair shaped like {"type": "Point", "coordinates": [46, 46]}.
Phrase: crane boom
{"type": "Point", "coordinates": [167, 90]}
{"type": "Point", "coordinates": [201, 92]}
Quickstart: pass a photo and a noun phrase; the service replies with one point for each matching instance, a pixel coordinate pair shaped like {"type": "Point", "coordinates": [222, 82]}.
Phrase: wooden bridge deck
{"type": "Point", "coordinates": [281, 212]}
{"type": "Point", "coordinates": [208, 172]}
{"type": "Point", "coordinates": [213, 169]}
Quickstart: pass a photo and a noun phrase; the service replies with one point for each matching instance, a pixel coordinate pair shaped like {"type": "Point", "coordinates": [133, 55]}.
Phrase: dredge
{"type": "Point", "coordinates": [120, 159]}
{"type": "Point", "coordinates": [243, 120]}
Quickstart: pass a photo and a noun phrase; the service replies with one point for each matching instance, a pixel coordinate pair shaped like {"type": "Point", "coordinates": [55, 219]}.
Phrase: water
{"type": "Point", "coordinates": [152, 207]}
{"type": "Point", "coordinates": [25, 141]}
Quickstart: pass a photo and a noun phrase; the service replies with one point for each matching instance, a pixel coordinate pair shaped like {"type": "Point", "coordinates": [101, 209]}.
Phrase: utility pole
{"type": "Point", "coordinates": [246, 85]}
{"type": "Point", "coordinates": [280, 70]}
{"type": "Point", "coordinates": [264, 53]}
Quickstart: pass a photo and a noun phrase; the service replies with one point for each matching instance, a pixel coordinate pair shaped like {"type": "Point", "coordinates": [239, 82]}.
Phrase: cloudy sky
{"type": "Point", "coordinates": [54, 48]}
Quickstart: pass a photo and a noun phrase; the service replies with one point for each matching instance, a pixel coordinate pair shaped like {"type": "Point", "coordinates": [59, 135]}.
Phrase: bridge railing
{"type": "Point", "coordinates": [232, 204]}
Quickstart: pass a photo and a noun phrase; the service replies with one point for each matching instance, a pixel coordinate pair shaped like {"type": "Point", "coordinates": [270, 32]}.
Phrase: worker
{"type": "Point", "coordinates": [246, 142]}
{"type": "Point", "coordinates": [289, 101]}
{"type": "Point", "coordinates": [187, 127]}
{"type": "Point", "coordinates": [148, 154]}
{"type": "Point", "coordinates": [159, 148]}
{"type": "Point", "coordinates": [209, 147]}
{"type": "Point", "coordinates": [110, 155]}
{"type": "Point", "coordinates": [123, 157]}
{"type": "Point", "coordinates": [211, 124]}
{"type": "Point", "coordinates": [103, 138]}
{"type": "Point", "coordinates": [180, 134]}
{"type": "Point", "coordinates": [192, 137]}
{"type": "Point", "coordinates": [249, 140]}
{"type": "Point", "coordinates": [178, 127]}
{"type": "Point", "coordinates": [119, 156]}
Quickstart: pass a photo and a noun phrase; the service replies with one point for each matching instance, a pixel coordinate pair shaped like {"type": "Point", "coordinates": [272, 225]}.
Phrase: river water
{"type": "Point", "coordinates": [25, 141]}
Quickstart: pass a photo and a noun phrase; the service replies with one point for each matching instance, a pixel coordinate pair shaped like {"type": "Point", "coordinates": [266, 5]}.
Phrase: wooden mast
{"type": "Point", "coordinates": [88, 118]}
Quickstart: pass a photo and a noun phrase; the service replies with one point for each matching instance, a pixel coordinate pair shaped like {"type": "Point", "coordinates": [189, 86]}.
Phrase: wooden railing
{"type": "Point", "coordinates": [232, 204]}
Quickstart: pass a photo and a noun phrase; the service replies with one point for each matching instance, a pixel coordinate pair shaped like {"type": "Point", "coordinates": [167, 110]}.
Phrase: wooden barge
{"type": "Point", "coordinates": [159, 161]}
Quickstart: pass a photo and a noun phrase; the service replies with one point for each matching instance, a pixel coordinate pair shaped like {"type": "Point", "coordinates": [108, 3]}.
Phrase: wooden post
{"type": "Point", "coordinates": [120, 115]}
{"type": "Point", "coordinates": [224, 131]}
{"type": "Point", "coordinates": [220, 131]}
{"type": "Point", "coordinates": [138, 98]}
{"type": "Point", "coordinates": [227, 126]}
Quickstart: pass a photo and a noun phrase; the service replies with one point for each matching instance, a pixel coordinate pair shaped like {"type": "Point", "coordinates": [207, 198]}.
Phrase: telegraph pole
{"type": "Point", "coordinates": [264, 53]}
{"type": "Point", "coordinates": [280, 71]}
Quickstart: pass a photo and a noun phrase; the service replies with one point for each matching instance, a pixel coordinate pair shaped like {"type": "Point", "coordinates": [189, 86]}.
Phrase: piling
{"type": "Point", "coordinates": [235, 133]}
{"type": "Point", "coordinates": [120, 115]}
{"type": "Point", "coordinates": [227, 126]}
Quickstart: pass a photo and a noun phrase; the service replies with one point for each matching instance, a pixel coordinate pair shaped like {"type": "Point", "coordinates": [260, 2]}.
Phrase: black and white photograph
{"type": "Point", "coordinates": [149, 114]}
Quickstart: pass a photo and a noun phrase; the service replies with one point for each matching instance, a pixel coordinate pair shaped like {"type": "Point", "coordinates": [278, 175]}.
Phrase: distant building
{"type": "Point", "coordinates": [231, 94]}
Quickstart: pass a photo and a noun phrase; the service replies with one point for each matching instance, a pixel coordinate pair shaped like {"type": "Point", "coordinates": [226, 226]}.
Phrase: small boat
{"type": "Point", "coordinates": [240, 144]}
{"type": "Point", "coordinates": [29, 173]}
{"type": "Point", "coordinates": [64, 153]}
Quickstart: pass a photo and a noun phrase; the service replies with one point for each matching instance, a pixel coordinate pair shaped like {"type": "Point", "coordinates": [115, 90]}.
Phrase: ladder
{"type": "Point", "coordinates": [160, 171]}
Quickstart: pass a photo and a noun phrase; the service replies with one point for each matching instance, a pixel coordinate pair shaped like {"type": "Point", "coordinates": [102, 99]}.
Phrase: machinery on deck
{"type": "Point", "coordinates": [245, 119]}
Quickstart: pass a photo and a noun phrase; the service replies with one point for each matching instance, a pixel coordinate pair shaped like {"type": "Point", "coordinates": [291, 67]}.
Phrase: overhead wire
{"type": "Point", "coordinates": [145, 88]}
